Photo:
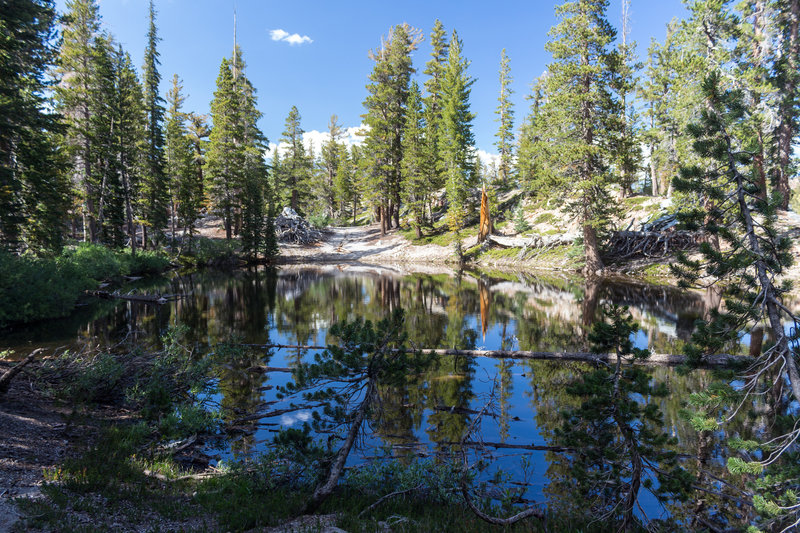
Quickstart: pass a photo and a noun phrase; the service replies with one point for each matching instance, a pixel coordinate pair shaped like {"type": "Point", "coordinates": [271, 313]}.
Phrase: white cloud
{"type": "Point", "coordinates": [315, 139]}
{"type": "Point", "coordinates": [291, 38]}
{"type": "Point", "coordinates": [488, 158]}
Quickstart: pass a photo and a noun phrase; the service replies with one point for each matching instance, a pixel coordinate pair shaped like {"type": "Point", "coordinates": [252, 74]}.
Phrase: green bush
{"type": "Point", "coordinates": [34, 288]}
{"type": "Point", "coordinates": [93, 261]}
{"type": "Point", "coordinates": [319, 220]}
{"type": "Point", "coordinates": [143, 263]}
{"type": "Point", "coordinates": [205, 251]}
{"type": "Point", "coordinates": [37, 288]}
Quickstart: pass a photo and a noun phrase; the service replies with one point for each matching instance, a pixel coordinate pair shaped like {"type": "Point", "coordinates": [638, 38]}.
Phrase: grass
{"type": "Point", "coordinates": [439, 235]}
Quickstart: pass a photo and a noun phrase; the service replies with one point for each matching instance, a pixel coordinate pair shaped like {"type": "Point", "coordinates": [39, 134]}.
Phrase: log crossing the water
{"type": "Point", "coordinates": [715, 360]}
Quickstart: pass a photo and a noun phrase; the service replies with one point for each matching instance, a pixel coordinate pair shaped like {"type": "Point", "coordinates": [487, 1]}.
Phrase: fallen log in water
{"type": "Point", "coordinates": [144, 298]}
{"type": "Point", "coordinates": [715, 360]}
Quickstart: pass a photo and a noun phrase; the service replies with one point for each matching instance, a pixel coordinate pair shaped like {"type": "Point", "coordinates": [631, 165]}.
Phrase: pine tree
{"type": "Point", "coordinates": [129, 134]}
{"type": "Point", "coordinates": [257, 198]}
{"type": "Point", "coordinates": [433, 106]}
{"type": "Point", "coordinates": [536, 167]}
{"type": "Point", "coordinates": [73, 96]}
{"type": "Point", "coordinates": [103, 123]}
{"type": "Point", "coordinates": [627, 152]}
{"type": "Point", "coordinates": [295, 170]}
{"type": "Point", "coordinates": [580, 101]}
{"type": "Point", "coordinates": [753, 257]}
{"type": "Point", "coordinates": [154, 181]}
{"type": "Point", "coordinates": [787, 78]}
{"type": "Point", "coordinates": [198, 131]}
{"type": "Point", "coordinates": [456, 138]}
{"type": "Point", "coordinates": [330, 164]}
{"type": "Point", "coordinates": [223, 161]}
{"type": "Point", "coordinates": [385, 116]}
{"type": "Point", "coordinates": [185, 194]}
{"type": "Point", "coordinates": [33, 189]}
{"type": "Point", "coordinates": [344, 185]}
{"type": "Point", "coordinates": [416, 186]}
{"type": "Point", "coordinates": [505, 118]}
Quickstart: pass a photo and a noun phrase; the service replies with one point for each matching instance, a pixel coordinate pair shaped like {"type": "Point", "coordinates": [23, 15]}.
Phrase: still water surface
{"type": "Point", "coordinates": [297, 305]}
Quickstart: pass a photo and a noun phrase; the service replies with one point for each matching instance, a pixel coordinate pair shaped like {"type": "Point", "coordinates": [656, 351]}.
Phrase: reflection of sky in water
{"type": "Point", "coordinates": [295, 418]}
{"type": "Point", "coordinates": [297, 306]}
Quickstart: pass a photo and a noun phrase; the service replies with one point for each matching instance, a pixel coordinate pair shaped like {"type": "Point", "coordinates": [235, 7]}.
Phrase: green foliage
{"type": "Point", "coordinates": [320, 220]}
{"type": "Point", "coordinates": [94, 261]}
{"type": "Point", "coordinates": [457, 140]}
{"type": "Point", "coordinates": [505, 118]}
{"type": "Point", "coordinates": [37, 288]}
{"type": "Point", "coordinates": [520, 223]}
{"type": "Point", "coordinates": [33, 178]}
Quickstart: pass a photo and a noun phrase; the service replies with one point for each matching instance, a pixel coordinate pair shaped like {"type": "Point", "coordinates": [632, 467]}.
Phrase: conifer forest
{"type": "Point", "coordinates": [545, 285]}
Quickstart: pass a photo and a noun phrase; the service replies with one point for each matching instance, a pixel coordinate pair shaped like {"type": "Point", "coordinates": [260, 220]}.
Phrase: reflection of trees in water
{"type": "Point", "coordinates": [241, 393]}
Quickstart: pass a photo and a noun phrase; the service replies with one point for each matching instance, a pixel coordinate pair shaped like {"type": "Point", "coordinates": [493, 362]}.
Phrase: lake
{"type": "Point", "coordinates": [524, 400]}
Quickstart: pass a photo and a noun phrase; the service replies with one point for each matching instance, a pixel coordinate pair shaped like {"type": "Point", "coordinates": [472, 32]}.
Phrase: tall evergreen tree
{"type": "Point", "coordinates": [456, 137]}
{"type": "Point", "coordinates": [103, 125]}
{"type": "Point", "coordinates": [154, 181]}
{"type": "Point", "coordinates": [505, 118]}
{"type": "Point", "coordinates": [787, 78]}
{"type": "Point", "coordinates": [330, 164]}
{"type": "Point", "coordinates": [185, 195]}
{"type": "Point", "coordinates": [434, 69]}
{"type": "Point", "coordinates": [580, 100]}
{"type": "Point", "coordinates": [33, 190]}
{"type": "Point", "coordinates": [222, 158]}
{"type": "Point", "coordinates": [198, 131]}
{"type": "Point", "coordinates": [627, 156]}
{"type": "Point", "coordinates": [416, 186]}
{"type": "Point", "coordinates": [73, 96]}
{"type": "Point", "coordinates": [295, 170]}
{"type": "Point", "coordinates": [385, 117]}
{"type": "Point", "coordinates": [128, 136]}
{"type": "Point", "coordinates": [344, 185]}
{"type": "Point", "coordinates": [238, 177]}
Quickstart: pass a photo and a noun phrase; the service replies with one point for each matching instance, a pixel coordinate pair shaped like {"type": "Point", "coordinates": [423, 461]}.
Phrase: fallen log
{"type": "Point", "coordinates": [5, 379]}
{"type": "Point", "coordinates": [715, 360]}
{"type": "Point", "coordinates": [144, 298]}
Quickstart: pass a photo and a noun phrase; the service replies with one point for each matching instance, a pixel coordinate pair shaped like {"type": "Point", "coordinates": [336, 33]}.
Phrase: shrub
{"type": "Point", "coordinates": [34, 288]}
{"type": "Point", "coordinates": [319, 221]}
{"type": "Point", "coordinates": [93, 261]}
{"type": "Point", "coordinates": [520, 224]}
{"type": "Point", "coordinates": [144, 262]}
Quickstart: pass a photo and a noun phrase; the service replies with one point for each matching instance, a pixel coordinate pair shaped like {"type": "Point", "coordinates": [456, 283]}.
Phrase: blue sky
{"type": "Point", "coordinates": [328, 75]}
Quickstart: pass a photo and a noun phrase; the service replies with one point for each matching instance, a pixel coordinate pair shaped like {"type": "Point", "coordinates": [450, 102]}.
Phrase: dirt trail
{"type": "Point", "coordinates": [364, 244]}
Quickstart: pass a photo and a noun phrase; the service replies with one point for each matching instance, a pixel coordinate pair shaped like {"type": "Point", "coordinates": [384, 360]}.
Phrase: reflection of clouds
{"type": "Point", "coordinates": [290, 420]}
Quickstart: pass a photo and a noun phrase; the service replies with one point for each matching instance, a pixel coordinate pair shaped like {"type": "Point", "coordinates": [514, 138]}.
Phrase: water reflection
{"type": "Point", "coordinates": [443, 310]}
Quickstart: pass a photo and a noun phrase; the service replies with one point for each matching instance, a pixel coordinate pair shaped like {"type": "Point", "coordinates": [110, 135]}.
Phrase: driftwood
{"type": "Point", "coordinates": [145, 298]}
{"type": "Point", "coordinates": [5, 379]}
{"type": "Point", "coordinates": [715, 360]}
{"type": "Point", "coordinates": [292, 228]}
{"type": "Point", "coordinates": [622, 245]}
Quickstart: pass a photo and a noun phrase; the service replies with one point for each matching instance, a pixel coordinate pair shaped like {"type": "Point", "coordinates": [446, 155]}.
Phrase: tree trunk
{"type": "Point", "coordinates": [591, 246]}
